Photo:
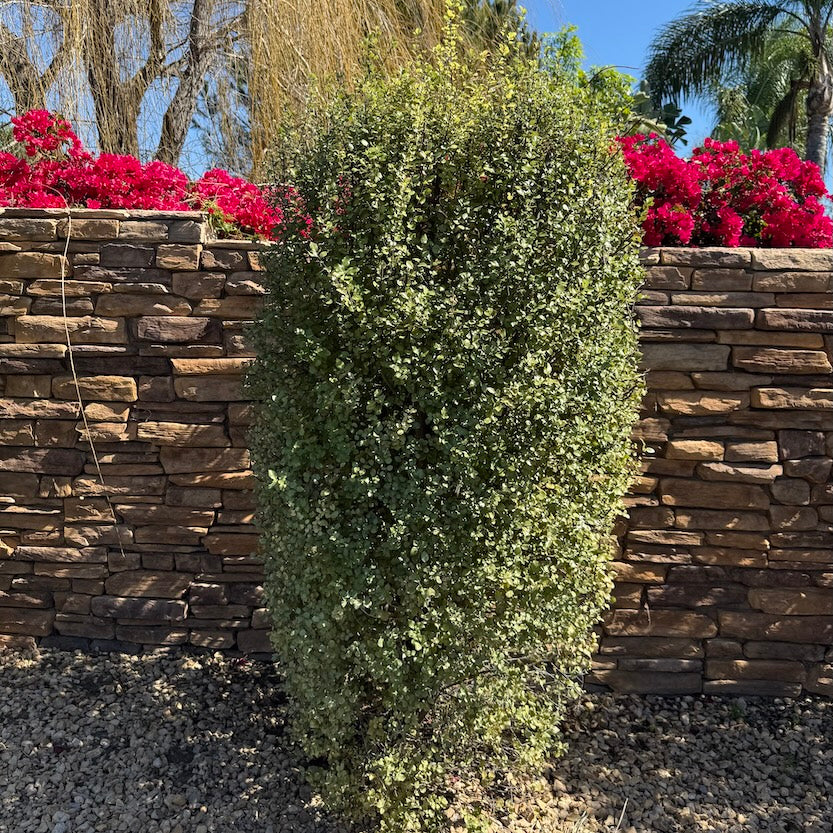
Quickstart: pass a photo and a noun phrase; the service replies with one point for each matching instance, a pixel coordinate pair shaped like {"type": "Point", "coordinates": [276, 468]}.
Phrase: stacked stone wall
{"type": "Point", "coordinates": [725, 575]}
{"type": "Point", "coordinates": [725, 571]}
{"type": "Point", "coordinates": [155, 314]}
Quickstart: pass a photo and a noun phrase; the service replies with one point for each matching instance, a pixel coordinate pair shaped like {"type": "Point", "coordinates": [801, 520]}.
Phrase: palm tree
{"type": "Point", "coordinates": [718, 39]}
{"type": "Point", "coordinates": [762, 106]}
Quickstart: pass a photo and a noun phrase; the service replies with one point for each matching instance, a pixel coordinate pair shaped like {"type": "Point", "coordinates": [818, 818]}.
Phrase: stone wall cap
{"type": "Point", "coordinates": [103, 213]}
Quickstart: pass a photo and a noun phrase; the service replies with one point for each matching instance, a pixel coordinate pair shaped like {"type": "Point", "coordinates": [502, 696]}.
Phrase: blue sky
{"type": "Point", "coordinates": [618, 32]}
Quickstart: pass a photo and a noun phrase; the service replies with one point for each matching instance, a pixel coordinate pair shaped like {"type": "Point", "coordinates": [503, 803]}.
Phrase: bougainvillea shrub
{"type": "Point", "coordinates": [53, 170]}
{"type": "Point", "coordinates": [723, 197]}
{"type": "Point", "coordinates": [447, 378]}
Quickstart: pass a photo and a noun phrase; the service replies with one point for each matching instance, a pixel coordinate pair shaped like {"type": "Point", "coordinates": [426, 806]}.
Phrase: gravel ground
{"type": "Point", "coordinates": [179, 743]}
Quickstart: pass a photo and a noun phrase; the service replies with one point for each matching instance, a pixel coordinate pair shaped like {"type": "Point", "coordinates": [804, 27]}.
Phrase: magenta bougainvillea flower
{"type": "Point", "coordinates": [57, 171]}
{"type": "Point", "coordinates": [723, 197]}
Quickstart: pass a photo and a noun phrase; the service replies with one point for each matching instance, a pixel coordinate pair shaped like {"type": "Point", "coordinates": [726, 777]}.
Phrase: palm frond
{"type": "Point", "coordinates": [784, 116]}
{"type": "Point", "coordinates": [715, 38]}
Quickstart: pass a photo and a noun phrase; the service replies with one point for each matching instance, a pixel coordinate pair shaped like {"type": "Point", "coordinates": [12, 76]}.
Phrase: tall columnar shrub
{"type": "Point", "coordinates": [447, 383]}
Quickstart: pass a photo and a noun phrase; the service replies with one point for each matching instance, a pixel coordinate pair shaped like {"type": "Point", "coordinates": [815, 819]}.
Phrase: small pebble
{"type": "Point", "coordinates": [178, 743]}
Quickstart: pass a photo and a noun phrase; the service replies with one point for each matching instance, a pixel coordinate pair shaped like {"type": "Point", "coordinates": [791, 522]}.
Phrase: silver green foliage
{"type": "Point", "coordinates": [447, 384]}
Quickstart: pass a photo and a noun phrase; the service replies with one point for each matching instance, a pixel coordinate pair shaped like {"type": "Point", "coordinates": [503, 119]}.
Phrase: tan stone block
{"type": "Point", "coordinates": [154, 513]}
{"type": "Point", "coordinates": [802, 556]}
{"type": "Point", "coordinates": [210, 388]}
{"type": "Point", "coordinates": [739, 473]}
{"type": "Point", "coordinates": [71, 570]}
{"type": "Point", "coordinates": [98, 229]}
{"type": "Point", "coordinates": [783, 650]}
{"type": "Point", "coordinates": [793, 517]}
{"type": "Point", "coordinates": [177, 461]}
{"type": "Point", "coordinates": [181, 434]}
{"type": "Point", "coordinates": [723, 520]}
{"type": "Point", "coordinates": [115, 486]}
{"type": "Point", "coordinates": [165, 585]}
{"type": "Point", "coordinates": [198, 498]}
{"type": "Point", "coordinates": [243, 480]}
{"type": "Point", "coordinates": [791, 491]}
{"type": "Point", "coordinates": [806, 300]}
{"type": "Point", "coordinates": [768, 627]}
{"type": "Point", "coordinates": [729, 557]}
{"type": "Point", "coordinates": [132, 305]}
{"type": "Point", "coordinates": [28, 600]}
{"type": "Point", "coordinates": [30, 265]}
{"type": "Point", "coordinates": [175, 329]}
{"type": "Point", "coordinates": [35, 329]}
{"type": "Point", "coordinates": [793, 398]}
{"type": "Point", "coordinates": [106, 432]}
{"type": "Point", "coordinates": [217, 640]}
{"type": "Point", "coordinates": [675, 623]}
{"type": "Point", "coordinates": [199, 285]}
{"type": "Point", "coordinates": [673, 537]}
{"type": "Point", "coordinates": [722, 280]}
{"type": "Point", "coordinates": [28, 229]}
{"type": "Point", "coordinates": [668, 380]}
{"type": "Point", "coordinates": [206, 367]}
{"type": "Point", "coordinates": [71, 555]}
{"type": "Point", "coordinates": [800, 320]}
{"type": "Point", "coordinates": [792, 282]}
{"type": "Point", "coordinates": [739, 669]}
{"type": "Point", "coordinates": [178, 257]}
{"type": "Point", "coordinates": [808, 260]}
{"type": "Point", "coordinates": [155, 610]}
{"type": "Point", "coordinates": [187, 231]}
{"type": "Point", "coordinates": [105, 388]}
{"type": "Point", "coordinates": [712, 495]}
{"type": "Point", "coordinates": [72, 289]}
{"type": "Point", "coordinates": [146, 231]}
{"type": "Point", "coordinates": [796, 444]}
{"type": "Point", "coordinates": [695, 317]}
{"type": "Point", "coordinates": [150, 635]}
{"type": "Point", "coordinates": [26, 622]}
{"type": "Point", "coordinates": [651, 647]}
{"type": "Point", "coordinates": [651, 430]}
{"type": "Point", "coordinates": [719, 298]}
{"type": "Point", "coordinates": [41, 460]}
{"type": "Point", "coordinates": [667, 277]}
{"type": "Point", "coordinates": [16, 432]}
{"type": "Point", "coordinates": [729, 381]}
{"type": "Point", "coordinates": [28, 387]}
{"type": "Point", "coordinates": [804, 601]}
{"type": "Point", "coordinates": [812, 469]}
{"type": "Point", "coordinates": [739, 540]}
{"type": "Point", "coordinates": [224, 259]}
{"type": "Point", "coordinates": [261, 618]}
{"type": "Point", "coordinates": [702, 403]}
{"type": "Point", "coordinates": [712, 257]}
{"type": "Point", "coordinates": [780, 360]}
{"type": "Point", "coordinates": [757, 452]}
{"type": "Point", "coordinates": [87, 510]}
{"type": "Point", "coordinates": [104, 412]}
{"type": "Point", "coordinates": [245, 283]}
{"type": "Point", "coordinates": [684, 357]}
{"type": "Point", "coordinates": [752, 688]}
{"type": "Point", "coordinates": [173, 535]}
{"type": "Point", "coordinates": [242, 307]}
{"type": "Point", "coordinates": [234, 544]}
{"type": "Point", "coordinates": [694, 450]}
